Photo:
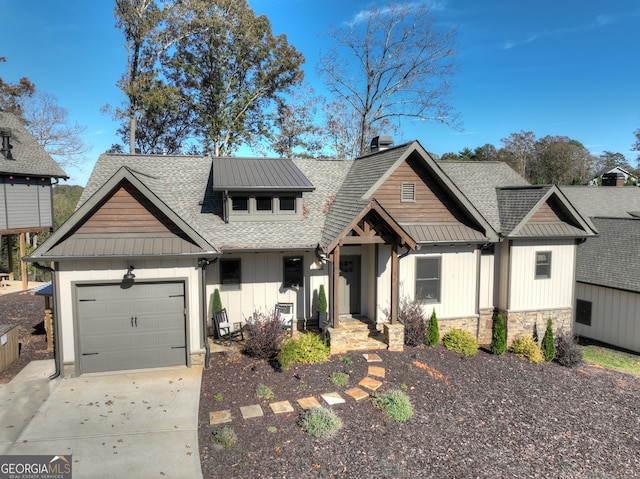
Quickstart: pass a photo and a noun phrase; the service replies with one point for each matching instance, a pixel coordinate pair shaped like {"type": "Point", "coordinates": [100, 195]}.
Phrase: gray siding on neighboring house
{"type": "Point", "coordinates": [25, 203]}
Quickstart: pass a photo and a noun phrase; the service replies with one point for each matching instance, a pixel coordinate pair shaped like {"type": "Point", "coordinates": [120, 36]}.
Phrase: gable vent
{"type": "Point", "coordinates": [408, 192]}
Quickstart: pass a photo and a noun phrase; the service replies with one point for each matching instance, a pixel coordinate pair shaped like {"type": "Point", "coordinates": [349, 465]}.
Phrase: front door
{"type": "Point", "coordinates": [349, 284]}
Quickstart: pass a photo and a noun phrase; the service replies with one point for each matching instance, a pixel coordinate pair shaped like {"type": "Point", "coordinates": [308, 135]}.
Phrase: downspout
{"type": "Point", "coordinates": [203, 263]}
{"type": "Point", "coordinates": [56, 319]}
{"type": "Point", "coordinates": [478, 279]}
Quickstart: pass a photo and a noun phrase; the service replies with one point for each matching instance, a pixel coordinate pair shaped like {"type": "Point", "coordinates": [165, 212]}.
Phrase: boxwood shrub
{"type": "Point", "coordinates": [461, 342]}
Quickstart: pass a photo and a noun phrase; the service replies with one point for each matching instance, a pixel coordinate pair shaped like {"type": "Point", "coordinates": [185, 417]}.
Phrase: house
{"type": "Point", "coordinates": [27, 173]}
{"type": "Point", "coordinates": [607, 274]}
{"type": "Point", "coordinates": [154, 235]}
{"type": "Point", "coordinates": [616, 176]}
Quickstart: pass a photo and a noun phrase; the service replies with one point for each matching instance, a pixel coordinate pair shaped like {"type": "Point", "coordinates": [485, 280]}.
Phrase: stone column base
{"type": "Point", "coordinates": [394, 336]}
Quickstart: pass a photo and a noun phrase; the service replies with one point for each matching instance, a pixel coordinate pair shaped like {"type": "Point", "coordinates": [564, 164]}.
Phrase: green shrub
{"type": "Point", "coordinates": [548, 343]}
{"type": "Point", "coordinates": [264, 392]}
{"type": "Point", "coordinates": [433, 334]}
{"type": "Point", "coordinates": [346, 360]}
{"type": "Point", "coordinates": [322, 300]}
{"type": "Point", "coordinates": [225, 436]}
{"type": "Point", "coordinates": [411, 315]}
{"type": "Point", "coordinates": [216, 303]}
{"type": "Point", "coordinates": [526, 347]}
{"type": "Point", "coordinates": [320, 422]}
{"type": "Point", "coordinates": [567, 351]}
{"type": "Point", "coordinates": [308, 348]}
{"type": "Point", "coordinates": [499, 338]}
{"type": "Point", "coordinates": [338, 378]}
{"type": "Point", "coordinates": [264, 336]}
{"type": "Point", "coordinates": [395, 404]}
{"type": "Point", "coordinates": [461, 342]}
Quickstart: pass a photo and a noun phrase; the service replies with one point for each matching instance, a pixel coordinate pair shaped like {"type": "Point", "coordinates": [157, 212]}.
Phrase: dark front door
{"type": "Point", "coordinates": [350, 284]}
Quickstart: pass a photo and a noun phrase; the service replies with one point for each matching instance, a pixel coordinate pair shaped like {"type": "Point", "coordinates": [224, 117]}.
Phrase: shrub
{"type": "Point", "coordinates": [308, 348]}
{"type": "Point", "coordinates": [526, 347]}
{"type": "Point", "coordinates": [264, 392]}
{"type": "Point", "coordinates": [216, 303]}
{"type": "Point", "coordinates": [567, 351]}
{"type": "Point", "coordinates": [461, 342]}
{"type": "Point", "coordinates": [433, 335]}
{"type": "Point", "coordinates": [225, 436]}
{"type": "Point", "coordinates": [264, 336]}
{"type": "Point", "coordinates": [499, 338]}
{"type": "Point", "coordinates": [548, 343]}
{"type": "Point", "coordinates": [395, 404]}
{"type": "Point", "coordinates": [320, 422]}
{"type": "Point", "coordinates": [411, 316]}
{"type": "Point", "coordinates": [338, 378]}
{"type": "Point", "coordinates": [322, 300]}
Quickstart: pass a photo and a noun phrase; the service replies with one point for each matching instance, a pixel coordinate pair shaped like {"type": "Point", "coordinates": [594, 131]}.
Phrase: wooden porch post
{"type": "Point", "coordinates": [10, 256]}
{"type": "Point", "coordinates": [335, 300]}
{"type": "Point", "coordinates": [394, 282]}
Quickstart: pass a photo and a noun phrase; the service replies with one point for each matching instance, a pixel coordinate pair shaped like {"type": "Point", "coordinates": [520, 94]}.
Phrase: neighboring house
{"type": "Point", "coordinates": [154, 236]}
{"type": "Point", "coordinates": [27, 173]}
{"type": "Point", "coordinates": [617, 176]}
{"type": "Point", "coordinates": [608, 267]}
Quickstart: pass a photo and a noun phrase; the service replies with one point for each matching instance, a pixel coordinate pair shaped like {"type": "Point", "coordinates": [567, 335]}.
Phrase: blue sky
{"type": "Point", "coordinates": [562, 67]}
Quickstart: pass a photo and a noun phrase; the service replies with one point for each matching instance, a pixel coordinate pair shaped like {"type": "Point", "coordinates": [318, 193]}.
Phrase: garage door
{"type": "Point", "coordinates": [142, 326]}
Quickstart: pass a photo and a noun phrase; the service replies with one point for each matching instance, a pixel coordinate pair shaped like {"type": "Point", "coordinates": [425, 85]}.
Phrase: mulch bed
{"type": "Point", "coordinates": [484, 416]}
{"type": "Point", "coordinates": [27, 311]}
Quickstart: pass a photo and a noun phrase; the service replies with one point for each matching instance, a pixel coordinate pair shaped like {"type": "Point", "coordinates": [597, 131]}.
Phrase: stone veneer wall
{"type": "Point", "coordinates": [528, 322]}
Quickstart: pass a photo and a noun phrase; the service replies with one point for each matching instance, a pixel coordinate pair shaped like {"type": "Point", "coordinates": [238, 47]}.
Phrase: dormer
{"type": "Point", "coordinates": [260, 189]}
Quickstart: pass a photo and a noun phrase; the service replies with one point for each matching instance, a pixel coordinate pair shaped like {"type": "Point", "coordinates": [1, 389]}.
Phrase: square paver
{"type": "Point", "coordinates": [308, 403]}
{"type": "Point", "coordinates": [357, 394]}
{"type": "Point", "coordinates": [249, 412]}
{"type": "Point", "coordinates": [370, 383]}
{"type": "Point", "coordinates": [377, 371]}
{"type": "Point", "coordinates": [332, 398]}
{"type": "Point", "coordinates": [220, 417]}
{"type": "Point", "coordinates": [281, 407]}
{"type": "Point", "coordinates": [372, 358]}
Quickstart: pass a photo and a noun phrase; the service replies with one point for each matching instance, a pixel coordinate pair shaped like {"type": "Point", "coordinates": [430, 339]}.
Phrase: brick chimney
{"type": "Point", "coordinates": [6, 143]}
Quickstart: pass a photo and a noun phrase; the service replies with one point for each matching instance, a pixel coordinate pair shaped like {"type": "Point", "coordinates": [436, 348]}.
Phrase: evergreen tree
{"type": "Point", "coordinates": [548, 342]}
{"type": "Point", "coordinates": [499, 339]}
{"type": "Point", "coordinates": [217, 302]}
{"type": "Point", "coordinates": [433, 336]}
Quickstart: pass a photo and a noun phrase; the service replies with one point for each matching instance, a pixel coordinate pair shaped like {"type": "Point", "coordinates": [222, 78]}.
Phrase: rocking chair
{"type": "Point", "coordinates": [226, 330]}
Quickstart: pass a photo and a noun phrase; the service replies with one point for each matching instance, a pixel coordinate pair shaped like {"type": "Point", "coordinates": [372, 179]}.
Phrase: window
{"type": "Point", "coordinates": [408, 192]}
{"type": "Point", "coordinates": [263, 203]}
{"type": "Point", "coordinates": [428, 279]}
{"type": "Point", "coordinates": [583, 312]}
{"type": "Point", "coordinates": [240, 203]}
{"type": "Point", "coordinates": [543, 264]}
{"type": "Point", "coordinates": [292, 271]}
{"type": "Point", "coordinates": [230, 271]}
{"type": "Point", "coordinates": [287, 203]}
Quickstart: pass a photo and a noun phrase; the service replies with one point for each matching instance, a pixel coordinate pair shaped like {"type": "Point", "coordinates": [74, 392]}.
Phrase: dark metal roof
{"type": "Point", "coordinates": [550, 230]}
{"type": "Point", "coordinates": [250, 174]}
{"type": "Point", "coordinates": [443, 233]}
{"type": "Point", "coordinates": [29, 158]}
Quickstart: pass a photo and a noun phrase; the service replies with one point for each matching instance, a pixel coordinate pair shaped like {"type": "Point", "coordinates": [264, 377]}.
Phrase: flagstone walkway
{"type": "Point", "coordinates": [371, 383]}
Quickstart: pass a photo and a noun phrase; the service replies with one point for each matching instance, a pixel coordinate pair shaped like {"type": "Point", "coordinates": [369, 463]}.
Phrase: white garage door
{"type": "Point", "coordinates": [142, 326]}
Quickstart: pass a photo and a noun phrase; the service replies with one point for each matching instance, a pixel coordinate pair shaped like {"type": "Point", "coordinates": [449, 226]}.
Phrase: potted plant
{"type": "Point", "coordinates": [322, 307]}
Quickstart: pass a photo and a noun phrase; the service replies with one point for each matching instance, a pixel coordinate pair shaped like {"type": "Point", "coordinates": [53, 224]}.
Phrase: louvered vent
{"type": "Point", "coordinates": [408, 192]}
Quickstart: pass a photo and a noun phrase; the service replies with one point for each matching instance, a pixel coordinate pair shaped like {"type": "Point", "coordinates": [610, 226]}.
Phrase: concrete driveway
{"type": "Point", "coordinates": [129, 424]}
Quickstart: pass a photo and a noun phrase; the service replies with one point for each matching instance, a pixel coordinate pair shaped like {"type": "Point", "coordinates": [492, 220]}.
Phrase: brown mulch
{"type": "Point", "coordinates": [27, 311]}
{"type": "Point", "coordinates": [478, 417]}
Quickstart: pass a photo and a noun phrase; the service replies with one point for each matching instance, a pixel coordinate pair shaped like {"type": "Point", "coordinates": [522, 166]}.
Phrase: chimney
{"type": "Point", "coordinates": [6, 144]}
{"type": "Point", "coordinates": [379, 143]}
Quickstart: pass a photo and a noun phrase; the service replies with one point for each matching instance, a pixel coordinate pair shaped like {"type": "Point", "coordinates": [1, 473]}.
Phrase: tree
{"type": "Point", "coordinates": [561, 160]}
{"type": "Point", "coordinates": [499, 336]}
{"type": "Point", "coordinates": [636, 145]}
{"type": "Point", "coordinates": [521, 147]}
{"type": "Point", "coordinates": [230, 66]}
{"type": "Point", "coordinates": [433, 333]}
{"type": "Point", "coordinates": [13, 95]}
{"type": "Point", "coordinates": [548, 342]}
{"type": "Point", "coordinates": [486, 152]}
{"type": "Point", "coordinates": [609, 160]}
{"type": "Point", "coordinates": [340, 131]}
{"type": "Point", "coordinates": [395, 64]}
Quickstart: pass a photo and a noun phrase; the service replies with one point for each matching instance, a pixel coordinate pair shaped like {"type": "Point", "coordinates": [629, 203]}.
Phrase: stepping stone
{"type": "Point", "coordinates": [332, 398]}
{"type": "Point", "coordinates": [308, 403]}
{"type": "Point", "coordinates": [281, 407]}
{"type": "Point", "coordinates": [370, 383]}
{"type": "Point", "coordinates": [220, 417]}
{"type": "Point", "coordinates": [372, 358]}
{"type": "Point", "coordinates": [357, 394]}
{"type": "Point", "coordinates": [249, 412]}
{"type": "Point", "coordinates": [376, 371]}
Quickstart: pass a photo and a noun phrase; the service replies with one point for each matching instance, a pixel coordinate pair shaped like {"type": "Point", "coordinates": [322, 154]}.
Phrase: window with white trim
{"type": "Point", "coordinates": [428, 279]}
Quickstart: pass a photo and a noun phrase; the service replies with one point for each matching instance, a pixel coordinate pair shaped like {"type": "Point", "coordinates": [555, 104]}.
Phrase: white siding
{"type": "Point", "coordinates": [487, 280]}
{"type": "Point", "coordinates": [458, 282]}
{"type": "Point", "coordinates": [112, 272]}
{"type": "Point", "coordinates": [384, 282]}
{"type": "Point", "coordinates": [528, 293]}
{"type": "Point", "coordinates": [614, 316]}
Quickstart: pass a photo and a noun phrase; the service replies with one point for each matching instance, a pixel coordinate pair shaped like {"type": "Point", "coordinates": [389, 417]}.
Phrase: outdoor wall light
{"type": "Point", "coordinates": [128, 276]}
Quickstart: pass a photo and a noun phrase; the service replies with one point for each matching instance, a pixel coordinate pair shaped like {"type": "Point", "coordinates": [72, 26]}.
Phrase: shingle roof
{"type": "Point", "coordinates": [29, 158]}
{"type": "Point", "coordinates": [605, 201]}
{"type": "Point", "coordinates": [613, 258]}
{"type": "Point", "coordinates": [250, 174]}
{"type": "Point", "coordinates": [516, 203]}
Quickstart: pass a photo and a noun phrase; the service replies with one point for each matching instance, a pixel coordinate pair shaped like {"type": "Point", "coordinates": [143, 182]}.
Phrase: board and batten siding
{"type": "Point", "coordinates": [25, 203]}
{"type": "Point", "coordinates": [487, 280]}
{"type": "Point", "coordinates": [105, 271]}
{"type": "Point", "coordinates": [614, 316]}
{"type": "Point", "coordinates": [528, 293]}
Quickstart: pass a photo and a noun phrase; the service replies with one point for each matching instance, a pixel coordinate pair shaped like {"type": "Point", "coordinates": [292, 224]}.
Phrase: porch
{"type": "Point", "coordinates": [359, 333]}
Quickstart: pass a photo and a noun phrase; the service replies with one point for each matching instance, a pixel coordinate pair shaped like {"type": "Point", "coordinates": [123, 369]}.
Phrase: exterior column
{"type": "Point", "coordinates": [394, 283]}
{"type": "Point", "coordinates": [23, 265]}
{"type": "Point", "coordinates": [335, 300]}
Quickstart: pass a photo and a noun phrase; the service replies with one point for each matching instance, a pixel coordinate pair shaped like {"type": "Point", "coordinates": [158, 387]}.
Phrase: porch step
{"type": "Point", "coordinates": [362, 335]}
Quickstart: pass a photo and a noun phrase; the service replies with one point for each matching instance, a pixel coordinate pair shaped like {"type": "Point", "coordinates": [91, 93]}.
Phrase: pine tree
{"type": "Point", "coordinates": [499, 339]}
{"type": "Point", "coordinates": [548, 342]}
{"type": "Point", "coordinates": [433, 337]}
